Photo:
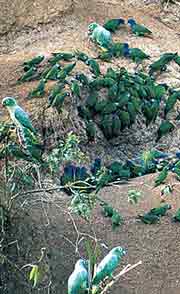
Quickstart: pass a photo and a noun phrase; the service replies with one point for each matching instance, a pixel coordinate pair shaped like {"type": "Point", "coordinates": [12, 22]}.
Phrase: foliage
{"type": "Point", "coordinates": [82, 204]}
{"type": "Point", "coordinates": [66, 151]}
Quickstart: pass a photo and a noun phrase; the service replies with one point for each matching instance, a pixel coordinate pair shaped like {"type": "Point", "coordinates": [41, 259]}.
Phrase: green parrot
{"type": "Point", "coordinates": [31, 144]}
{"type": "Point", "coordinates": [107, 209]}
{"type": "Point", "coordinates": [39, 91]}
{"type": "Point", "coordinates": [161, 177]}
{"type": "Point", "coordinates": [113, 24]}
{"type": "Point", "coordinates": [176, 217]}
{"type": "Point", "coordinates": [149, 218]}
{"type": "Point", "coordinates": [160, 65]}
{"type": "Point", "coordinates": [84, 112]}
{"type": "Point", "coordinates": [150, 111]}
{"type": "Point", "coordinates": [125, 118]}
{"type": "Point", "coordinates": [116, 125]}
{"type": "Point", "coordinates": [94, 67]}
{"type": "Point", "coordinates": [82, 78]}
{"type": "Point", "coordinates": [65, 71]}
{"type": "Point", "coordinates": [52, 72]}
{"type": "Point", "coordinates": [160, 211]}
{"type": "Point", "coordinates": [19, 117]}
{"type": "Point", "coordinates": [81, 56]}
{"type": "Point", "coordinates": [106, 125]}
{"type": "Point", "coordinates": [132, 112]}
{"type": "Point", "coordinates": [165, 128]}
{"type": "Point", "coordinates": [137, 29]}
{"type": "Point", "coordinates": [61, 56]}
{"type": "Point", "coordinates": [111, 73]}
{"type": "Point", "coordinates": [75, 89]}
{"type": "Point", "coordinates": [34, 61]}
{"type": "Point", "coordinates": [58, 101]}
{"type": "Point", "coordinates": [28, 75]}
{"type": "Point", "coordinates": [105, 56]}
{"type": "Point", "coordinates": [123, 99]}
{"type": "Point", "coordinates": [100, 35]}
{"type": "Point", "coordinates": [91, 130]}
{"type": "Point", "coordinates": [57, 88]}
{"type": "Point", "coordinates": [78, 280]}
{"type": "Point", "coordinates": [116, 219]}
{"type": "Point", "coordinates": [170, 102]}
{"type": "Point", "coordinates": [92, 99]}
{"type": "Point", "coordinates": [177, 59]}
{"type": "Point", "coordinates": [137, 55]}
{"type": "Point", "coordinates": [108, 265]}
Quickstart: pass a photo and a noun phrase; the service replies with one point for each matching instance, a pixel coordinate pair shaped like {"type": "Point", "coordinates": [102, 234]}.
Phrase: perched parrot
{"type": "Point", "coordinates": [19, 117]}
{"type": "Point", "coordinates": [100, 35]}
{"type": "Point", "coordinates": [137, 29]}
{"type": "Point", "coordinates": [108, 264]}
{"type": "Point", "coordinates": [26, 133]}
{"type": "Point", "coordinates": [78, 280]}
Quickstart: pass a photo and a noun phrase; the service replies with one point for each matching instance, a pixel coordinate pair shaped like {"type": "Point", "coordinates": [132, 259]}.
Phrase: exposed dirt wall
{"type": "Point", "coordinates": [17, 14]}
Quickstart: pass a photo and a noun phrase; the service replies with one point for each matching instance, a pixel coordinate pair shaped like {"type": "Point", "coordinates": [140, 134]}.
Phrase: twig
{"type": "Point", "coordinates": [128, 268]}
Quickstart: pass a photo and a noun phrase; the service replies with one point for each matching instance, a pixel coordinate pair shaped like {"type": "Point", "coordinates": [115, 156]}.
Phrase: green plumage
{"type": "Point", "coordinates": [107, 210]}
{"type": "Point", "coordinates": [39, 91]}
{"type": "Point", "coordinates": [150, 111]}
{"type": "Point", "coordinates": [112, 25]}
{"type": "Point", "coordinates": [34, 61]}
{"type": "Point", "coordinates": [106, 125]}
{"type": "Point", "coordinates": [28, 75]}
{"type": "Point", "coordinates": [116, 126]}
{"type": "Point", "coordinates": [108, 265]}
{"type": "Point", "coordinates": [132, 112]}
{"type": "Point", "coordinates": [81, 56]}
{"type": "Point", "coordinates": [125, 118]}
{"type": "Point", "coordinates": [75, 89]}
{"type": "Point", "coordinates": [137, 55]}
{"type": "Point", "coordinates": [105, 56]}
{"type": "Point", "coordinates": [57, 88]}
{"type": "Point", "coordinates": [52, 72]}
{"type": "Point", "coordinates": [160, 64]}
{"type": "Point", "coordinates": [58, 101]}
{"type": "Point", "coordinates": [94, 67]}
{"type": "Point", "coordinates": [161, 177]}
{"type": "Point", "coordinates": [116, 219]}
{"type": "Point", "coordinates": [149, 218]}
{"type": "Point", "coordinates": [160, 211]}
{"type": "Point", "coordinates": [91, 130]}
{"type": "Point", "coordinates": [170, 103]}
{"type": "Point", "coordinates": [165, 128]}
{"type": "Point", "coordinates": [82, 78]}
{"type": "Point", "coordinates": [176, 217]}
{"type": "Point", "coordinates": [140, 30]}
{"type": "Point", "coordinates": [117, 49]}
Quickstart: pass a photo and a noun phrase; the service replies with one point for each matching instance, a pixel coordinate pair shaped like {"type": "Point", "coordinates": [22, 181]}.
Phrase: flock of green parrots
{"type": "Point", "coordinates": [112, 102]}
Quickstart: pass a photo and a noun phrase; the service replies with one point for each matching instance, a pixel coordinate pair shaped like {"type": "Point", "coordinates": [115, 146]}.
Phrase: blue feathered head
{"type": "Point", "coordinates": [131, 22]}
{"type": "Point", "coordinates": [121, 21]}
{"type": "Point", "coordinates": [126, 49]}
